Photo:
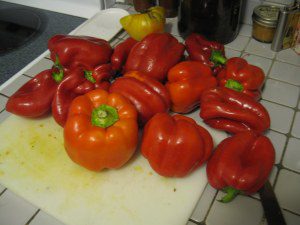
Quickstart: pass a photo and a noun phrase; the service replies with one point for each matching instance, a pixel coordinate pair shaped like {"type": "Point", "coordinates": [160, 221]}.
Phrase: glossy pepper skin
{"type": "Point", "coordinates": [121, 52]}
{"type": "Point", "coordinates": [200, 49]}
{"type": "Point", "coordinates": [155, 55]}
{"type": "Point", "coordinates": [73, 85]}
{"type": "Point", "coordinates": [241, 164]}
{"type": "Point", "coordinates": [186, 82]}
{"type": "Point", "coordinates": [147, 94]}
{"type": "Point", "coordinates": [241, 76]}
{"type": "Point", "coordinates": [175, 145]}
{"type": "Point", "coordinates": [101, 130]}
{"type": "Point", "coordinates": [34, 98]}
{"type": "Point", "coordinates": [69, 52]}
{"type": "Point", "coordinates": [232, 111]}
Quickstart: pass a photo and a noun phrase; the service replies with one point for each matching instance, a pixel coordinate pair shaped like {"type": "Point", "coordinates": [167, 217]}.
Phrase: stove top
{"type": "Point", "coordinates": [17, 27]}
{"type": "Point", "coordinates": [24, 33]}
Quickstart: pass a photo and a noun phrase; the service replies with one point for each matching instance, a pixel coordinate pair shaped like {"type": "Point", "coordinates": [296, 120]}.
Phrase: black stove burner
{"type": "Point", "coordinates": [17, 27]}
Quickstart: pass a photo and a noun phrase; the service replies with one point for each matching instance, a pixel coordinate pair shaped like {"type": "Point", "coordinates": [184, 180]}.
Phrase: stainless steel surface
{"type": "Point", "coordinates": [283, 26]}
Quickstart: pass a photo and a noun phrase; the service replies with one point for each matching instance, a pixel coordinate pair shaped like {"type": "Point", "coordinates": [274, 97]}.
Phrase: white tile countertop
{"type": "Point", "coordinates": [280, 97]}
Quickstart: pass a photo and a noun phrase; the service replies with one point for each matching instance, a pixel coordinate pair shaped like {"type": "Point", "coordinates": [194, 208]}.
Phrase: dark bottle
{"type": "Point", "coordinates": [143, 5]}
{"type": "Point", "coordinates": [217, 20]}
{"type": "Point", "coordinates": [171, 7]}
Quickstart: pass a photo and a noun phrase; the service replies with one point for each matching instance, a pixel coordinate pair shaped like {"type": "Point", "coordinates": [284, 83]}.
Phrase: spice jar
{"type": "Point", "coordinates": [143, 5]}
{"type": "Point", "coordinates": [265, 18]}
{"type": "Point", "coordinates": [171, 7]}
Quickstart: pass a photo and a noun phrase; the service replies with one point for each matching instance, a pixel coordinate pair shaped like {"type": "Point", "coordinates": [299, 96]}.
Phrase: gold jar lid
{"type": "Point", "coordinates": [266, 15]}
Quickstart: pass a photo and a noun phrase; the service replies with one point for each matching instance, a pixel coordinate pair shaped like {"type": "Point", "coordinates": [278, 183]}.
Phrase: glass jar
{"type": "Point", "coordinates": [171, 7]}
{"type": "Point", "coordinates": [265, 18]}
{"type": "Point", "coordinates": [143, 5]}
{"type": "Point", "coordinates": [217, 20]}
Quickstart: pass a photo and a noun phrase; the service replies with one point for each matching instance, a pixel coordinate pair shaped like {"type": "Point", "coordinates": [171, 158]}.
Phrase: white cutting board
{"type": "Point", "coordinates": [34, 165]}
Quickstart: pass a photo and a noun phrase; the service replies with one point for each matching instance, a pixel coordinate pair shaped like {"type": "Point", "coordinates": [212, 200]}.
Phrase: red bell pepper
{"type": "Point", "coordinates": [241, 76]}
{"type": "Point", "coordinates": [147, 94]}
{"type": "Point", "coordinates": [65, 94]}
{"type": "Point", "coordinates": [241, 164]}
{"type": "Point", "coordinates": [101, 130]}
{"type": "Point", "coordinates": [186, 82]}
{"type": "Point", "coordinates": [34, 98]}
{"type": "Point", "coordinates": [121, 52]}
{"type": "Point", "coordinates": [200, 49]}
{"type": "Point", "coordinates": [155, 55]}
{"type": "Point", "coordinates": [232, 111]}
{"type": "Point", "coordinates": [73, 85]}
{"type": "Point", "coordinates": [175, 145]}
{"type": "Point", "coordinates": [69, 52]}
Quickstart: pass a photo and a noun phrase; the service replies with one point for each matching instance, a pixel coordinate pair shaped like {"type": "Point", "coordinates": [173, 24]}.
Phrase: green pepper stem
{"type": "Point", "coordinates": [58, 73]}
{"type": "Point", "coordinates": [231, 193]}
{"type": "Point", "coordinates": [58, 76]}
{"type": "Point", "coordinates": [234, 85]}
{"type": "Point", "coordinates": [89, 76]}
{"type": "Point", "coordinates": [104, 116]}
{"type": "Point", "coordinates": [217, 58]}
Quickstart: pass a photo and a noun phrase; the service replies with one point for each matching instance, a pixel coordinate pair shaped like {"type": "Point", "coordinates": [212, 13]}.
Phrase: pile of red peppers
{"type": "Point", "coordinates": [81, 64]}
{"type": "Point", "coordinates": [156, 78]}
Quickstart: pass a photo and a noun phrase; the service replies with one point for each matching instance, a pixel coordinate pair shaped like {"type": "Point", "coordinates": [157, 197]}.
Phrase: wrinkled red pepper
{"type": "Point", "coordinates": [147, 94]}
{"type": "Point", "coordinates": [241, 164]}
{"type": "Point", "coordinates": [175, 145]}
{"type": "Point", "coordinates": [121, 52]}
{"type": "Point", "coordinates": [186, 82]}
{"type": "Point", "coordinates": [98, 78]}
{"type": "Point", "coordinates": [232, 111]}
{"type": "Point", "coordinates": [200, 49]}
{"type": "Point", "coordinates": [73, 85]}
{"type": "Point", "coordinates": [69, 52]}
{"type": "Point", "coordinates": [241, 76]}
{"type": "Point", "coordinates": [155, 55]}
{"type": "Point", "coordinates": [34, 98]}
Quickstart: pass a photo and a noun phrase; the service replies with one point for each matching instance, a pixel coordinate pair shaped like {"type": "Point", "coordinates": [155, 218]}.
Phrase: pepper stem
{"type": "Point", "coordinates": [217, 58]}
{"type": "Point", "coordinates": [104, 116]}
{"type": "Point", "coordinates": [58, 72]}
{"type": "Point", "coordinates": [89, 76]}
{"type": "Point", "coordinates": [231, 193]}
{"type": "Point", "coordinates": [235, 85]}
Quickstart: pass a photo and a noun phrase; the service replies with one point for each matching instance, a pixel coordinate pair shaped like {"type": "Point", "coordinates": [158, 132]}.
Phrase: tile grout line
{"type": "Point", "coordinates": [32, 217]}
{"type": "Point", "coordinates": [278, 169]}
{"type": "Point", "coordinates": [288, 135]}
{"type": "Point", "coordinates": [296, 214]}
{"type": "Point", "coordinates": [280, 166]}
{"type": "Point", "coordinates": [273, 58]}
{"type": "Point", "coordinates": [4, 95]}
{"type": "Point", "coordinates": [282, 81]}
{"type": "Point", "coordinates": [2, 192]}
{"type": "Point", "coordinates": [293, 108]}
{"type": "Point", "coordinates": [29, 76]}
{"type": "Point", "coordinates": [194, 221]}
{"type": "Point", "coordinates": [211, 204]}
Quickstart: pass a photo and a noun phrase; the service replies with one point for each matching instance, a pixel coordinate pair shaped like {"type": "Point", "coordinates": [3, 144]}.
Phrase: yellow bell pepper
{"type": "Point", "coordinates": [140, 25]}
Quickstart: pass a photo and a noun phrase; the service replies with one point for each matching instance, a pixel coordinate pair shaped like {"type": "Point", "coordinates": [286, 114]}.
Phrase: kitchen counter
{"type": "Point", "coordinates": [281, 98]}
